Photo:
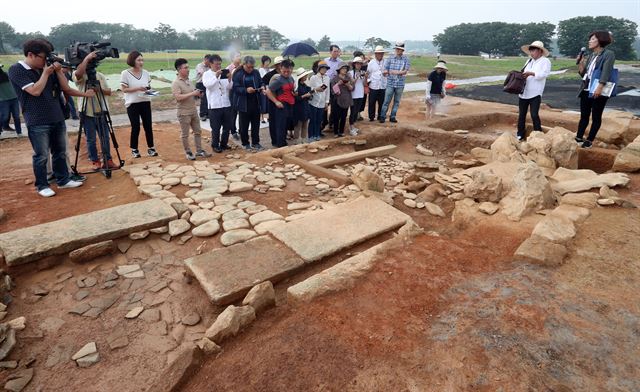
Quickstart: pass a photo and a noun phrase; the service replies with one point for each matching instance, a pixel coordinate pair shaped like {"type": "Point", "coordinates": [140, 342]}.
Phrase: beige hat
{"type": "Point", "coordinates": [535, 44]}
{"type": "Point", "coordinates": [399, 45]}
{"type": "Point", "coordinates": [357, 60]}
{"type": "Point", "coordinates": [379, 49]}
{"type": "Point", "coordinates": [278, 60]}
{"type": "Point", "coordinates": [301, 73]}
{"type": "Point", "coordinates": [441, 64]}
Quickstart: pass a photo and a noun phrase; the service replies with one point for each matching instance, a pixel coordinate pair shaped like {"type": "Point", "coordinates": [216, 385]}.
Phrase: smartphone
{"type": "Point", "coordinates": [324, 86]}
{"type": "Point", "coordinates": [224, 74]}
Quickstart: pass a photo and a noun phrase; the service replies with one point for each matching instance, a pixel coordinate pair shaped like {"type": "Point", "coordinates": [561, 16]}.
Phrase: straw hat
{"type": "Point", "coordinates": [379, 49]}
{"type": "Point", "coordinates": [301, 73]}
{"type": "Point", "coordinates": [535, 44]}
{"type": "Point", "coordinates": [399, 45]}
{"type": "Point", "coordinates": [441, 64]}
{"type": "Point", "coordinates": [278, 60]}
{"type": "Point", "coordinates": [323, 64]}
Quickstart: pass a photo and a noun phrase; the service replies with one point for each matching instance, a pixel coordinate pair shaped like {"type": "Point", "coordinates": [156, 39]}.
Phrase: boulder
{"type": "Point", "coordinates": [481, 154]}
{"type": "Point", "coordinates": [231, 321]}
{"type": "Point", "coordinates": [431, 193]}
{"type": "Point", "coordinates": [203, 216]}
{"type": "Point", "coordinates": [530, 192]}
{"type": "Point", "coordinates": [484, 186]}
{"type": "Point", "coordinates": [93, 251]}
{"type": "Point", "coordinates": [504, 149]}
{"type": "Point", "coordinates": [555, 228]}
{"type": "Point", "coordinates": [571, 181]}
{"type": "Point", "coordinates": [366, 179]}
{"type": "Point", "coordinates": [564, 149]}
{"type": "Point", "coordinates": [573, 213]}
{"type": "Point", "coordinates": [261, 297]}
{"type": "Point", "coordinates": [489, 208]}
{"type": "Point", "coordinates": [540, 251]}
{"type": "Point", "coordinates": [628, 160]}
{"type": "Point", "coordinates": [586, 199]}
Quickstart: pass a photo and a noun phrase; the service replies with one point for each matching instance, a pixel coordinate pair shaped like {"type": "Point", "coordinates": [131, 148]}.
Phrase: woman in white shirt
{"type": "Point", "coordinates": [535, 71]}
{"type": "Point", "coordinates": [357, 93]}
{"type": "Point", "coordinates": [265, 61]}
{"type": "Point", "coordinates": [134, 82]}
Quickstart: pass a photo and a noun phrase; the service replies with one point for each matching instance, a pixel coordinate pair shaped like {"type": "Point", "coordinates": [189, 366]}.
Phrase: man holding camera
{"type": "Point", "coordinates": [39, 83]}
{"type": "Point", "coordinates": [185, 95]}
{"type": "Point", "coordinates": [218, 84]}
{"type": "Point", "coordinates": [92, 114]}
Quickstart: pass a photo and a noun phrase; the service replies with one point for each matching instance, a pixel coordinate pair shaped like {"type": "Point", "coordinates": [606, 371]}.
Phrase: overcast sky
{"type": "Point", "coordinates": [341, 20]}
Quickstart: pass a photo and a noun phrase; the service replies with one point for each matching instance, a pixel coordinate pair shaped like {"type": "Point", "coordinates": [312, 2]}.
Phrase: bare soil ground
{"type": "Point", "coordinates": [450, 312]}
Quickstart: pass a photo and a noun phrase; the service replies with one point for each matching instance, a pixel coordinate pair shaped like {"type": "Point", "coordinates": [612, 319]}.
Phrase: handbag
{"type": "Point", "coordinates": [515, 81]}
{"type": "Point", "coordinates": [336, 89]}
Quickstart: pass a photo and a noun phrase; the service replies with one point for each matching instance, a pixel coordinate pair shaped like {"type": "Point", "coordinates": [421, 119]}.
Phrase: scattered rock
{"type": "Point", "coordinates": [150, 315]}
{"type": "Point", "coordinates": [191, 319]}
{"type": "Point", "coordinates": [208, 347]}
{"type": "Point", "coordinates": [261, 297]}
{"type": "Point", "coordinates": [18, 323]}
{"type": "Point", "coordinates": [235, 236]}
{"type": "Point", "coordinates": [264, 216]}
{"type": "Point", "coordinates": [203, 216]}
{"type": "Point", "coordinates": [231, 321]}
{"type": "Point", "coordinates": [87, 355]}
{"type": "Point", "coordinates": [410, 203]}
{"type": "Point", "coordinates": [434, 209]}
{"type": "Point", "coordinates": [489, 208]}
{"type": "Point", "coordinates": [606, 202]}
{"type": "Point", "coordinates": [240, 187]}
{"type": "Point", "coordinates": [81, 294]}
{"type": "Point", "coordinates": [178, 226]}
{"type": "Point", "coordinates": [123, 246]}
{"type": "Point", "coordinates": [628, 160]}
{"type": "Point", "coordinates": [431, 193]}
{"type": "Point", "coordinates": [93, 251]}
{"type": "Point", "coordinates": [17, 381]}
{"type": "Point", "coordinates": [366, 179]}
{"type": "Point", "coordinates": [555, 229]}
{"type": "Point", "coordinates": [135, 312]}
{"type": "Point", "coordinates": [586, 199]}
{"type": "Point", "coordinates": [540, 251]}
{"type": "Point", "coordinates": [140, 235]}
{"type": "Point", "coordinates": [571, 181]}
{"type": "Point", "coordinates": [485, 186]}
{"type": "Point", "coordinates": [160, 230]}
{"type": "Point", "coordinates": [88, 360]}
{"type": "Point", "coordinates": [235, 224]}
{"type": "Point", "coordinates": [530, 191]}
{"type": "Point", "coordinates": [8, 339]}
{"type": "Point", "coordinates": [186, 363]}
{"type": "Point", "coordinates": [206, 230]}
{"type": "Point", "coordinates": [423, 150]}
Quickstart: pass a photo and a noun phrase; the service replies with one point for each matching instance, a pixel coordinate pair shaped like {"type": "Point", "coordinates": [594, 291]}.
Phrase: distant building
{"type": "Point", "coordinates": [265, 38]}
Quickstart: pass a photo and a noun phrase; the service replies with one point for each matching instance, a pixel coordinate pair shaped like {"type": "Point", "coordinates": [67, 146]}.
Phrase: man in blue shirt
{"type": "Point", "coordinates": [395, 69]}
{"type": "Point", "coordinates": [39, 88]}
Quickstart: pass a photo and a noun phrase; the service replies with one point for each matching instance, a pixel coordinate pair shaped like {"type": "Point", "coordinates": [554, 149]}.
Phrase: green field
{"type": "Point", "coordinates": [460, 67]}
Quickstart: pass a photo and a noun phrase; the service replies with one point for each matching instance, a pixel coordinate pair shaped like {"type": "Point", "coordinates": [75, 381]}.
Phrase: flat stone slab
{"type": "Point", "coordinates": [320, 235]}
{"type": "Point", "coordinates": [64, 235]}
{"type": "Point", "coordinates": [227, 274]}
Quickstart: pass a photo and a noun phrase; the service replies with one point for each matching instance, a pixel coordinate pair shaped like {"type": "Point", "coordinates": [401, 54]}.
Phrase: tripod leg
{"type": "Point", "coordinates": [74, 167]}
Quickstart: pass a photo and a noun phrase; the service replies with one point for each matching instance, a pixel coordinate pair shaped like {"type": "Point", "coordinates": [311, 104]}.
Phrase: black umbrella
{"type": "Point", "coordinates": [299, 49]}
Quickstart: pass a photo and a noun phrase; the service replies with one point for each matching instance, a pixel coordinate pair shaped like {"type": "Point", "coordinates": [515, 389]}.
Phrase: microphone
{"type": "Point", "coordinates": [582, 52]}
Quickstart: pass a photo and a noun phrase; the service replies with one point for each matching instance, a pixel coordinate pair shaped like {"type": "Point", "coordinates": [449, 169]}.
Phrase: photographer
{"type": "Point", "coordinates": [39, 88]}
{"type": "Point", "coordinates": [218, 85]}
{"type": "Point", "coordinates": [247, 88]}
{"type": "Point", "coordinates": [91, 113]}
{"type": "Point", "coordinates": [184, 93]}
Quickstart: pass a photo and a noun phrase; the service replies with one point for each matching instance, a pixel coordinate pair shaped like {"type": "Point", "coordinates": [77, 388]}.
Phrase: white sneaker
{"type": "Point", "coordinates": [354, 131]}
{"type": "Point", "coordinates": [70, 184]}
{"type": "Point", "coordinates": [46, 192]}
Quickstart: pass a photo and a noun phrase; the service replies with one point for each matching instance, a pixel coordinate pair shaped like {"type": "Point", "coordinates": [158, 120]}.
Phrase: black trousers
{"type": "Point", "coordinates": [363, 106]}
{"type": "Point", "coordinates": [339, 118]}
{"type": "Point", "coordinates": [250, 118]}
{"type": "Point", "coordinates": [220, 118]}
{"type": "Point", "coordinates": [204, 106]}
{"type": "Point", "coordinates": [524, 105]}
{"type": "Point", "coordinates": [594, 108]}
{"type": "Point", "coordinates": [136, 111]}
{"type": "Point", "coordinates": [356, 108]}
{"type": "Point", "coordinates": [271, 108]}
{"type": "Point", "coordinates": [376, 97]}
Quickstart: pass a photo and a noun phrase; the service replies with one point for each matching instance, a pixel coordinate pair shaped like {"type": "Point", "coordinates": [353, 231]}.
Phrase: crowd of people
{"type": "Point", "coordinates": [299, 103]}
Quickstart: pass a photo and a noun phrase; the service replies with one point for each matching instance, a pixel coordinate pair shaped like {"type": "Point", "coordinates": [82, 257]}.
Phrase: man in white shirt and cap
{"type": "Point", "coordinates": [536, 71]}
{"type": "Point", "coordinates": [377, 83]}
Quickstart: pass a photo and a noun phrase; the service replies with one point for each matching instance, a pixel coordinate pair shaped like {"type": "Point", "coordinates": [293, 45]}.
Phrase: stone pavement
{"type": "Point", "coordinates": [325, 233]}
{"type": "Point", "coordinates": [227, 274]}
{"type": "Point", "coordinates": [58, 237]}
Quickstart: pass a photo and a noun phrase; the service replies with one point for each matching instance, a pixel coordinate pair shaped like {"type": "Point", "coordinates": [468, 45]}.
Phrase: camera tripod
{"type": "Point", "coordinates": [102, 123]}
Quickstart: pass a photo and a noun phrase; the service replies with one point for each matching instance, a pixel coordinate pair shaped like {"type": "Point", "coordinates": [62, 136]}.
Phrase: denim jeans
{"type": "Point", "coordinates": [90, 130]}
{"type": "Point", "coordinates": [10, 108]}
{"type": "Point", "coordinates": [315, 122]}
{"type": "Point", "coordinates": [396, 94]}
{"type": "Point", "coordinates": [44, 137]}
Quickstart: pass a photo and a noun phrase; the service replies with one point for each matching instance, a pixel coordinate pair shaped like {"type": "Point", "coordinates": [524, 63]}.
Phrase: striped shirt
{"type": "Point", "coordinates": [396, 63]}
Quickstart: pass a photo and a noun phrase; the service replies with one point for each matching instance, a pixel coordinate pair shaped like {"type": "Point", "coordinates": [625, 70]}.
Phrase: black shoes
{"type": "Point", "coordinates": [135, 153]}
{"type": "Point", "coordinates": [586, 144]}
{"type": "Point", "coordinates": [393, 120]}
{"type": "Point", "coordinates": [152, 152]}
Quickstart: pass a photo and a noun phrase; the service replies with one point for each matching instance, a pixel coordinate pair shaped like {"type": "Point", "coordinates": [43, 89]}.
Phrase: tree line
{"type": "Point", "coordinates": [126, 37]}
{"type": "Point", "coordinates": [507, 38]}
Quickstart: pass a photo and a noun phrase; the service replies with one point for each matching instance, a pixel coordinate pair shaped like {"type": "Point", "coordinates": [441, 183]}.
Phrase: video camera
{"type": "Point", "coordinates": [76, 52]}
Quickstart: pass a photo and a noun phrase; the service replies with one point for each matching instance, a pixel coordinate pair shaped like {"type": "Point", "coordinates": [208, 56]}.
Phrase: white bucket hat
{"type": "Point", "coordinates": [379, 49]}
{"type": "Point", "coordinates": [278, 60]}
{"type": "Point", "coordinates": [357, 60]}
{"type": "Point", "coordinates": [441, 64]}
{"type": "Point", "coordinates": [535, 44]}
{"type": "Point", "coordinates": [399, 45]}
{"type": "Point", "coordinates": [301, 73]}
